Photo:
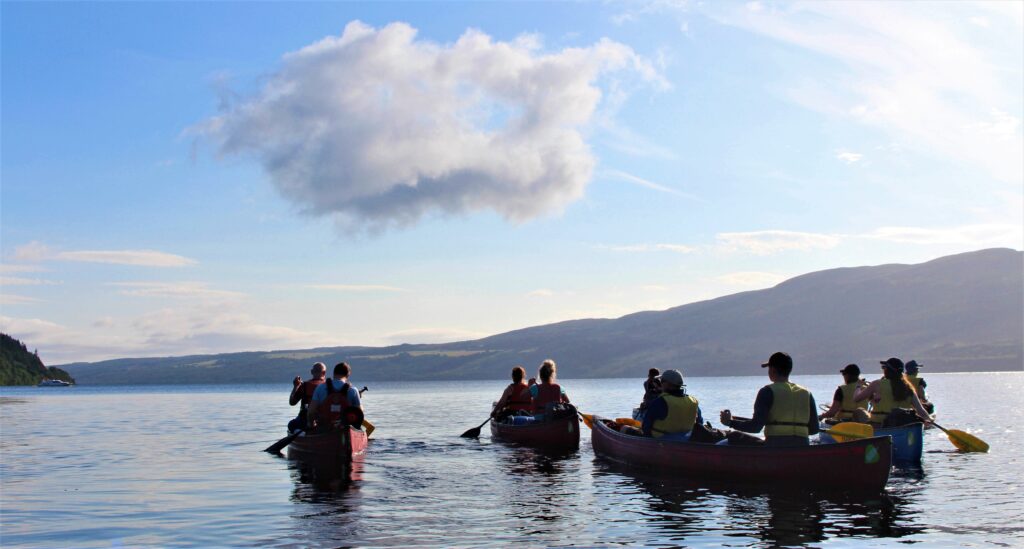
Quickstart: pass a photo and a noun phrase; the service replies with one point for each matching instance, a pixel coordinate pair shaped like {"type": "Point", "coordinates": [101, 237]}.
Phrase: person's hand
{"type": "Point", "coordinates": [725, 417]}
{"type": "Point", "coordinates": [862, 383]}
{"type": "Point", "coordinates": [297, 381]}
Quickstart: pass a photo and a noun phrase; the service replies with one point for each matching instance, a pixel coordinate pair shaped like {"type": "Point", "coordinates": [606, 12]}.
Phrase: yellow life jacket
{"type": "Point", "coordinates": [682, 413]}
{"type": "Point", "coordinates": [849, 404]}
{"type": "Point", "coordinates": [887, 402]}
{"type": "Point", "coordinates": [790, 411]}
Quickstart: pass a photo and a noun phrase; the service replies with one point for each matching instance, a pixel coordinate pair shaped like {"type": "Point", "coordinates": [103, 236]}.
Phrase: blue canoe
{"type": "Point", "coordinates": [907, 441]}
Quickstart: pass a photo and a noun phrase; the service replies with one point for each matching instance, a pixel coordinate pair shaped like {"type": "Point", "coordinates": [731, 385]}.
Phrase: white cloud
{"type": "Point", "coordinates": [755, 279]}
{"type": "Point", "coordinates": [641, 182]}
{"type": "Point", "coordinates": [849, 157]}
{"type": "Point", "coordinates": [38, 252]}
{"type": "Point", "coordinates": [770, 242]}
{"type": "Point", "coordinates": [924, 72]}
{"type": "Point", "coordinates": [9, 268]}
{"type": "Point", "coordinates": [173, 290]}
{"type": "Point", "coordinates": [641, 248]}
{"type": "Point", "coordinates": [357, 288]}
{"type": "Point", "coordinates": [377, 128]}
{"type": "Point", "coordinates": [21, 281]}
{"type": "Point", "coordinates": [12, 299]}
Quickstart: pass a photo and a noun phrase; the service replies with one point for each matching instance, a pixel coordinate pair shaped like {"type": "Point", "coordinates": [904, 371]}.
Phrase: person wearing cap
{"type": "Point", "coordinates": [919, 384]}
{"type": "Point", "coordinates": [786, 411]}
{"type": "Point", "coordinates": [893, 390]}
{"type": "Point", "coordinates": [844, 406]}
{"type": "Point", "coordinates": [302, 391]}
{"type": "Point", "coordinates": [672, 415]}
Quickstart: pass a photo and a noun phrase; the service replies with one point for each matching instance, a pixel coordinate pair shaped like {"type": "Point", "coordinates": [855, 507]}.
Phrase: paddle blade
{"type": "Point", "coordinates": [276, 447]}
{"type": "Point", "coordinates": [628, 421]}
{"type": "Point", "coordinates": [966, 442]}
{"type": "Point", "coordinates": [588, 419]}
{"type": "Point", "coordinates": [472, 433]}
{"type": "Point", "coordinates": [368, 427]}
{"type": "Point", "coordinates": [849, 430]}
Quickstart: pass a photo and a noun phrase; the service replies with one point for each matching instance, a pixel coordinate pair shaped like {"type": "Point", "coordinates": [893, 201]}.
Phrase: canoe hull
{"type": "Point", "coordinates": [340, 445]}
{"type": "Point", "coordinates": [562, 433]}
{"type": "Point", "coordinates": [907, 442]}
{"type": "Point", "coordinates": [861, 465]}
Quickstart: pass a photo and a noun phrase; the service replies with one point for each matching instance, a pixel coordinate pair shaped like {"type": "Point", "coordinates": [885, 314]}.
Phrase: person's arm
{"type": "Point", "coordinates": [657, 409]}
{"type": "Point", "coordinates": [565, 397]}
{"type": "Point", "coordinates": [353, 397]}
{"type": "Point", "coordinates": [501, 401]}
{"type": "Point", "coordinates": [812, 420]}
{"type": "Point", "coordinates": [700, 417]}
{"type": "Point", "coordinates": [296, 395]}
{"type": "Point", "coordinates": [867, 393]}
{"type": "Point", "coordinates": [837, 405]}
{"type": "Point", "coordinates": [919, 408]}
{"type": "Point", "coordinates": [762, 405]}
{"type": "Point", "coordinates": [314, 403]}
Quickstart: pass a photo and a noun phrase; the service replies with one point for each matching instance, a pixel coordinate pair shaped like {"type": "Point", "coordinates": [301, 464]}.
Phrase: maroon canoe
{"type": "Point", "coordinates": [861, 465]}
{"type": "Point", "coordinates": [560, 433]}
{"type": "Point", "coordinates": [338, 445]}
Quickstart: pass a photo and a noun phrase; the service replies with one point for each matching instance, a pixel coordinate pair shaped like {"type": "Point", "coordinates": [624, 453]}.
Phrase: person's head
{"type": "Point", "coordinates": [913, 367]}
{"type": "Point", "coordinates": [653, 373]}
{"type": "Point", "coordinates": [518, 373]}
{"type": "Point", "coordinates": [851, 373]}
{"type": "Point", "coordinates": [319, 370]}
{"type": "Point", "coordinates": [342, 370]}
{"type": "Point", "coordinates": [892, 369]}
{"type": "Point", "coordinates": [547, 371]}
{"type": "Point", "coordinates": [671, 380]}
{"type": "Point", "coordinates": [779, 366]}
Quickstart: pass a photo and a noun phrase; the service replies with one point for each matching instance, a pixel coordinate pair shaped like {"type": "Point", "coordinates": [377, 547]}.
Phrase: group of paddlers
{"type": "Point", "coordinates": [325, 402]}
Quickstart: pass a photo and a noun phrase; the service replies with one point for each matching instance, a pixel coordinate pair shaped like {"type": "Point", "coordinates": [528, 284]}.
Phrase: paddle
{"type": "Point", "coordinates": [279, 445]}
{"type": "Point", "coordinates": [588, 419]}
{"type": "Point", "coordinates": [850, 430]}
{"type": "Point", "coordinates": [628, 421]}
{"type": "Point", "coordinates": [475, 431]}
{"type": "Point", "coordinates": [964, 441]}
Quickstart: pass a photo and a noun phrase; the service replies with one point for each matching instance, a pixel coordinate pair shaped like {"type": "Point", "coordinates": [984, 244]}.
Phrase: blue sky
{"type": "Point", "coordinates": [186, 178]}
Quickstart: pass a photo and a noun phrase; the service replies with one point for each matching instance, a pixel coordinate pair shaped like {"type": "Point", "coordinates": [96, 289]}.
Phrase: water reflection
{"type": "Point", "coordinates": [323, 480]}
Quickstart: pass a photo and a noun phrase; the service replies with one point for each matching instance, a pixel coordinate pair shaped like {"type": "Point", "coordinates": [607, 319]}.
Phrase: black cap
{"type": "Point", "coordinates": [913, 367]}
{"type": "Point", "coordinates": [780, 361]}
{"type": "Point", "coordinates": [893, 364]}
{"type": "Point", "coordinates": [851, 369]}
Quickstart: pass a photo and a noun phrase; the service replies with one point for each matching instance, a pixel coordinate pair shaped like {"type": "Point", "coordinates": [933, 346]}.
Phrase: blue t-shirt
{"type": "Point", "coordinates": [321, 392]}
{"type": "Point", "coordinates": [534, 390]}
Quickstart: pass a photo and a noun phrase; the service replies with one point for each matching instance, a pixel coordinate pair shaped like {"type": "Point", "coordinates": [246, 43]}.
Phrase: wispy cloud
{"type": "Point", "coordinates": [357, 288]}
{"type": "Point", "coordinates": [12, 268]}
{"type": "Point", "coordinates": [21, 281]}
{"type": "Point", "coordinates": [770, 242]}
{"type": "Point", "coordinates": [39, 252]}
{"type": "Point", "coordinates": [644, 248]}
{"type": "Point", "coordinates": [12, 299]}
{"type": "Point", "coordinates": [641, 182]}
{"type": "Point", "coordinates": [849, 157]}
{"type": "Point", "coordinates": [183, 290]}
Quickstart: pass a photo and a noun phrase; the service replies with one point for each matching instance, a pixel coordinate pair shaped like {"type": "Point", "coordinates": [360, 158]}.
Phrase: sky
{"type": "Point", "coordinates": [187, 178]}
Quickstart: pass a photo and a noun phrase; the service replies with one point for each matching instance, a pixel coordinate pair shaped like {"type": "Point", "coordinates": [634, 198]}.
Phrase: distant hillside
{"type": "Point", "coordinates": [958, 313]}
{"type": "Point", "coordinates": [20, 367]}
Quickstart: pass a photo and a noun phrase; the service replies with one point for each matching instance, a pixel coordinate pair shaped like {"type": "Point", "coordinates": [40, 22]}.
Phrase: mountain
{"type": "Point", "coordinates": [20, 367]}
{"type": "Point", "coordinates": [962, 312]}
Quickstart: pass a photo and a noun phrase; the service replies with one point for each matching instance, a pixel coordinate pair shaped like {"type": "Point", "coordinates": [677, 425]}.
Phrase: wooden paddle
{"type": "Point", "coordinates": [475, 431]}
{"type": "Point", "coordinates": [849, 430]}
{"type": "Point", "coordinates": [964, 441]}
{"type": "Point", "coordinates": [628, 421]}
{"type": "Point", "coordinates": [279, 445]}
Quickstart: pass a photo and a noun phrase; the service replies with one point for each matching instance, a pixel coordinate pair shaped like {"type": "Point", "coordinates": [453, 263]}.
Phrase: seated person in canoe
{"type": "Point", "coordinates": [547, 393]}
{"type": "Point", "coordinates": [844, 406]}
{"type": "Point", "coordinates": [919, 384]}
{"type": "Point", "coordinates": [516, 399]}
{"type": "Point", "coordinates": [302, 392]}
{"type": "Point", "coordinates": [652, 390]}
{"type": "Point", "coordinates": [786, 411]}
{"type": "Point", "coordinates": [892, 391]}
{"type": "Point", "coordinates": [332, 399]}
{"type": "Point", "coordinates": [672, 415]}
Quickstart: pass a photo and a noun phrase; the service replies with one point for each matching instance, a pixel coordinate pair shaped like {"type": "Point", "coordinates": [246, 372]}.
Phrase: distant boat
{"type": "Point", "coordinates": [54, 383]}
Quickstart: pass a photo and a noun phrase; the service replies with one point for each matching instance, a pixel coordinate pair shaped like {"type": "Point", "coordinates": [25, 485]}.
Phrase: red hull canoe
{"type": "Point", "coordinates": [339, 445]}
{"type": "Point", "coordinates": [561, 433]}
{"type": "Point", "coordinates": [861, 465]}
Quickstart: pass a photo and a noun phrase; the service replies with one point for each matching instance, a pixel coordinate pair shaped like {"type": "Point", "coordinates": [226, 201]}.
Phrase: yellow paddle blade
{"type": "Point", "coordinates": [848, 430]}
{"type": "Point", "coordinates": [369, 428]}
{"type": "Point", "coordinates": [588, 419]}
{"type": "Point", "coordinates": [628, 421]}
{"type": "Point", "coordinates": [965, 441]}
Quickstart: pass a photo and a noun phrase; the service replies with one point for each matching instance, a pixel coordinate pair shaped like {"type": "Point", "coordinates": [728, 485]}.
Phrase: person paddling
{"type": "Point", "coordinates": [302, 392]}
{"type": "Point", "coordinates": [844, 405]}
{"type": "Point", "coordinates": [892, 391]}
{"type": "Point", "coordinates": [673, 413]}
{"type": "Point", "coordinates": [332, 399]}
{"type": "Point", "coordinates": [786, 411]}
{"type": "Point", "coordinates": [912, 368]}
{"type": "Point", "coordinates": [516, 399]}
{"type": "Point", "coordinates": [547, 392]}
{"type": "Point", "coordinates": [652, 390]}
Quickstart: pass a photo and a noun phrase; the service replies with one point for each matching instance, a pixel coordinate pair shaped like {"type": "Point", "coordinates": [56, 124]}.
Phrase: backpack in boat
{"type": "Point", "coordinates": [559, 410]}
{"type": "Point", "coordinates": [898, 417]}
{"type": "Point", "coordinates": [706, 433]}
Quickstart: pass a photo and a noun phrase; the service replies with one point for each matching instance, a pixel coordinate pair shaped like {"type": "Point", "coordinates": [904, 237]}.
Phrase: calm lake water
{"type": "Point", "coordinates": [183, 466]}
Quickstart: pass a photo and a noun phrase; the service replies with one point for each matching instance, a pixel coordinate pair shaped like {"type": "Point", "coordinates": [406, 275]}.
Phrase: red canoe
{"type": "Point", "coordinates": [338, 445]}
{"type": "Point", "coordinates": [560, 433]}
{"type": "Point", "coordinates": [861, 465]}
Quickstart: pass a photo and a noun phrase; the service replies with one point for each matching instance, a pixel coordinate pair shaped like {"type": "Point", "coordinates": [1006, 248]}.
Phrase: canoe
{"type": "Point", "coordinates": [340, 445]}
{"type": "Point", "coordinates": [861, 465]}
{"type": "Point", "coordinates": [907, 442]}
{"type": "Point", "coordinates": [558, 433]}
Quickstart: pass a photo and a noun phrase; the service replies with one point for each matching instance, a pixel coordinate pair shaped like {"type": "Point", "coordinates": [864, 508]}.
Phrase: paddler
{"type": "Point", "coordinates": [844, 406]}
{"type": "Point", "coordinates": [652, 390]}
{"type": "Point", "coordinates": [673, 413]}
{"type": "Point", "coordinates": [919, 384]}
{"type": "Point", "coordinates": [516, 399]}
{"type": "Point", "coordinates": [302, 392]}
{"type": "Point", "coordinates": [892, 391]}
{"type": "Point", "coordinates": [786, 411]}
{"type": "Point", "coordinates": [547, 393]}
{"type": "Point", "coordinates": [333, 399]}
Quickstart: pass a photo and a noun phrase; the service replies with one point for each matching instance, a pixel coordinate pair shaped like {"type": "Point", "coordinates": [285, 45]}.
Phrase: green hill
{"type": "Point", "coordinates": [20, 367]}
